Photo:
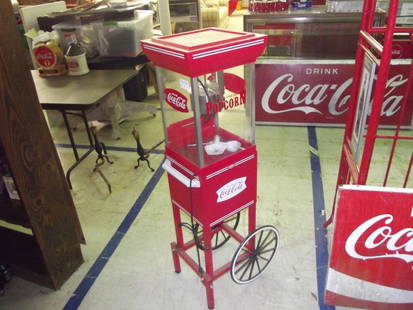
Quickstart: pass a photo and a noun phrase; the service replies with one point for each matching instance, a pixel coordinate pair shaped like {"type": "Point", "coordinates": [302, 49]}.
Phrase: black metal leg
{"type": "Point", "coordinates": [99, 161]}
{"type": "Point", "coordinates": [69, 132]}
{"type": "Point", "coordinates": [105, 153]}
{"type": "Point", "coordinates": [69, 171]}
{"type": "Point", "coordinates": [104, 179]}
{"type": "Point", "coordinates": [89, 134]}
{"type": "Point", "coordinates": [149, 165]}
{"type": "Point", "coordinates": [78, 158]}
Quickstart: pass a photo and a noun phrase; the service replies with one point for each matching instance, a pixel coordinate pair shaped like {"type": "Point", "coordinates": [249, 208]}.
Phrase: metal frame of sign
{"type": "Point", "coordinates": [363, 106]}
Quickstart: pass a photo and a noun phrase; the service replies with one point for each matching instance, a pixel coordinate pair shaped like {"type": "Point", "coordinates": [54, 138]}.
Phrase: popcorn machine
{"type": "Point", "coordinates": [211, 160]}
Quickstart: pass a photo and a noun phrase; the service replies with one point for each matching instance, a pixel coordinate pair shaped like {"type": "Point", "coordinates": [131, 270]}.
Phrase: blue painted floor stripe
{"type": "Point", "coordinates": [319, 219]}
{"type": "Point", "coordinates": [109, 148]}
{"type": "Point", "coordinates": [100, 263]}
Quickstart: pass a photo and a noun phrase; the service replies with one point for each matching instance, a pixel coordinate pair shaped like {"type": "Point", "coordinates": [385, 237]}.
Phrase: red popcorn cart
{"type": "Point", "coordinates": [211, 159]}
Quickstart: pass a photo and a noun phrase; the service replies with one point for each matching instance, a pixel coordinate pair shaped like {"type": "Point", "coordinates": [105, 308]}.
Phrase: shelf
{"type": "Point", "coordinates": [49, 251]}
{"type": "Point", "coordinates": [22, 253]}
{"type": "Point", "coordinates": [12, 211]}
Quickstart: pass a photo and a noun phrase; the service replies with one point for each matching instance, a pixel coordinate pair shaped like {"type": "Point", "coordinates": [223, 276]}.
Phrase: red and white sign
{"type": "Point", "coordinates": [402, 48]}
{"type": "Point", "coordinates": [310, 93]}
{"type": "Point", "coordinates": [176, 100]}
{"type": "Point", "coordinates": [231, 189]}
{"type": "Point", "coordinates": [371, 262]}
{"type": "Point", "coordinates": [45, 56]}
{"type": "Point", "coordinates": [226, 103]}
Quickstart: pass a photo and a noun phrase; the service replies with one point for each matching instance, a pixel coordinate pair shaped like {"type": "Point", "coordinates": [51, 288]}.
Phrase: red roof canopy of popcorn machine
{"type": "Point", "coordinates": [203, 51]}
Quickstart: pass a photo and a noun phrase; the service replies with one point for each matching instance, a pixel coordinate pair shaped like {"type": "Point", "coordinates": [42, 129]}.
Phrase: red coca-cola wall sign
{"type": "Point", "coordinates": [319, 94]}
{"type": "Point", "coordinates": [371, 257]}
{"type": "Point", "coordinates": [176, 100]}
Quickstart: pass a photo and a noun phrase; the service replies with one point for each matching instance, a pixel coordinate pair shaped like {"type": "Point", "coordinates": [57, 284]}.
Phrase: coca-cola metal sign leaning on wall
{"type": "Point", "coordinates": [303, 93]}
{"type": "Point", "coordinates": [371, 261]}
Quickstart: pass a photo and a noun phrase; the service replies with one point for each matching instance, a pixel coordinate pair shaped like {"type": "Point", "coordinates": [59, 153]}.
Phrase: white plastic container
{"type": "Point", "coordinates": [122, 38]}
{"type": "Point", "coordinates": [76, 60]}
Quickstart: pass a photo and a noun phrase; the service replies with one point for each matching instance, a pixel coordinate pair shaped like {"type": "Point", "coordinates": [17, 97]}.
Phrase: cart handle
{"type": "Point", "coordinates": [179, 176]}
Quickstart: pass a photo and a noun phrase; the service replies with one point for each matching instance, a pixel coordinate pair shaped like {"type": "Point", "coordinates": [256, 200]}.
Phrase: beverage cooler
{"type": "Point", "coordinates": [304, 76]}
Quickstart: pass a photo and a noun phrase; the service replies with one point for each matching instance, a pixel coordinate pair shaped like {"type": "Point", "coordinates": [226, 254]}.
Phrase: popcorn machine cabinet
{"type": "Point", "coordinates": [211, 159]}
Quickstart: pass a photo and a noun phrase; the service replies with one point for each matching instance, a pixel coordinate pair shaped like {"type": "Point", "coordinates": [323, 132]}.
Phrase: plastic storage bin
{"type": "Point", "coordinates": [122, 38]}
{"type": "Point", "coordinates": [74, 32]}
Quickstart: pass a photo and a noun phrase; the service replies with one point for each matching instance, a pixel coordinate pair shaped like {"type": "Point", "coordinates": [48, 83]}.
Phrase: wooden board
{"type": "Point", "coordinates": [33, 159]}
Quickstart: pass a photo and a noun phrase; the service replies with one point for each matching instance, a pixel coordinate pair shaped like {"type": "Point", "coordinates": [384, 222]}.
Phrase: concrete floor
{"type": "Point", "coordinates": [128, 264]}
{"type": "Point", "coordinates": [139, 274]}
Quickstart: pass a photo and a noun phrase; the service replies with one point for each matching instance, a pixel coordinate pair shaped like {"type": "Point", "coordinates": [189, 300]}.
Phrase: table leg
{"type": "Point", "coordinates": [69, 171]}
{"type": "Point", "coordinates": [89, 134]}
{"type": "Point", "coordinates": [69, 132]}
{"type": "Point", "coordinates": [78, 158]}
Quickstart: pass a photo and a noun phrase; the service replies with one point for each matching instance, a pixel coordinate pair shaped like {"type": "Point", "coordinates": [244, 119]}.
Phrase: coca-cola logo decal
{"type": "Point", "coordinates": [45, 56]}
{"type": "Point", "coordinates": [176, 100]}
{"type": "Point", "coordinates": [319, 93]}
{"type": "Point", "coordinates": [231, 189]}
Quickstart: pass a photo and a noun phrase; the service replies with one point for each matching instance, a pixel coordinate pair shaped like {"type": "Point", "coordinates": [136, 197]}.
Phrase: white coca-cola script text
{"type": "Point", "coordinates": [283, 92]}
{"type": "Point", "coordinates": [395, 244]}
{"type": "Point", "coordinates": [176, 100]}
{"type": "Point", "coordinates": [231, 189]}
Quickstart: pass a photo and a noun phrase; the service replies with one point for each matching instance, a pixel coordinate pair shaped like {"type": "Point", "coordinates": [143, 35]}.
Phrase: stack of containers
{"type": "Point", "coordinates": [108, 38]}
{"type": "Point", "coordinates": [257, 6]}
{"type": "Point", "coordinates": [122, 38]}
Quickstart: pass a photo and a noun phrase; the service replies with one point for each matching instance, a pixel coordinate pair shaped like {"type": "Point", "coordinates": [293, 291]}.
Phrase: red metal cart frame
{"type": "Point", "coordinates": [375, 44]}
{"type": "Point", "coordinates": [212, 171]}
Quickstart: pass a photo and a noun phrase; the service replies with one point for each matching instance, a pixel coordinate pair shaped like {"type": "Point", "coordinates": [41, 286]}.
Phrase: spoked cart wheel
{"type": "Point", "coordinates": [219, 236]}
{"type": "Point", "coordinates": [254, 254]}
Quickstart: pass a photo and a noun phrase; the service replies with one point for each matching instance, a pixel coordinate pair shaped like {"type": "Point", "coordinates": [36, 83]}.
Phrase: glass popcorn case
{"type": "Point", "coordinates": [208, 118]}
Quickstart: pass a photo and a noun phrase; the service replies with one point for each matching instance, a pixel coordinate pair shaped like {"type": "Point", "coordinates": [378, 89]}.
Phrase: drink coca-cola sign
{"type": "Point", "coordinates": [371, 262]}
{"type": "Point", "coordinates": [311, 93]}
{"type": "Point", "coordinates": [176, 100]}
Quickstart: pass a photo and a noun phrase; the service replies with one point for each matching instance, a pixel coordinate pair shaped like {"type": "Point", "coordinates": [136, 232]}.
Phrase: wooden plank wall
{"type": "Point", "coordinates": [33, 158]}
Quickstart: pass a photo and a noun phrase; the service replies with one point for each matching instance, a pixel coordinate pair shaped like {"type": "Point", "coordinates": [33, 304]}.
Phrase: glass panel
{"type": "Point", "coordinates": [184, 15]}
{"type": "Point", "coordinates": [312, 33]}
{"type": "Point", "coordinates": [311, 39]}
{"type": "Point", "coordinates": [332, 40]}
{"type": "Point", "coordinates": [224, 124]}
{"type": "Point", "coordinates": [281, 38]}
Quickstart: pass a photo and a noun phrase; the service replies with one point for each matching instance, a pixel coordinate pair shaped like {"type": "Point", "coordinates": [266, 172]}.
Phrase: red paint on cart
{"type": "Point", "coordinates": [221, 49]}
